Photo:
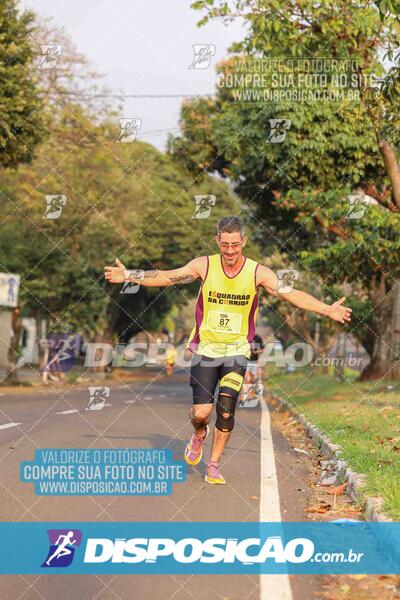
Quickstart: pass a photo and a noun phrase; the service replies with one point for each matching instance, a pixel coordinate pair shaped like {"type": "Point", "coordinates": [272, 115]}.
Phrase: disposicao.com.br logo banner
{"type": "Point", "coordinates": [191, 548]}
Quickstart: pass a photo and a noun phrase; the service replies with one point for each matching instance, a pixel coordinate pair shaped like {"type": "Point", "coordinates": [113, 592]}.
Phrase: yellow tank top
{"type": "Point", "coordinates": [226, 311]}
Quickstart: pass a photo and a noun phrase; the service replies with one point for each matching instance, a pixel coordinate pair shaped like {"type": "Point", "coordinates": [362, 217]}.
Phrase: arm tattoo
{"type": "Point", "coordinates": [182, 279]}
{"type": "Point", "coordinates": [135, 275]}
{"type": "Point", "coordinates": [139, 275]}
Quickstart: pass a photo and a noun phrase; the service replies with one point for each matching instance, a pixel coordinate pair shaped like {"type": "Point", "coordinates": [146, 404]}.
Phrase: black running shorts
{"type": "Point", "coordinates": [206, 373]}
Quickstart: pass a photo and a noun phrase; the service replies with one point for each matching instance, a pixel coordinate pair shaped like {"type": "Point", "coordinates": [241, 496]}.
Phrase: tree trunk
{"type": "Point", "coordinates": [41, 345]}
{"type": "Point", "coordinates": [340, 357]}
{"type": "Point", "coordinates": [322, 349]}
{"type": "Point", "coordinates": [383, 355]}
{"type": "Point", "coordinates": [12, 372]}
{"type": "Point", "coordinates": [395, 342]}
{"type": "Point", "coordinates": [106, 336]}
{"type": "Point", "coordinates": [392, 168]}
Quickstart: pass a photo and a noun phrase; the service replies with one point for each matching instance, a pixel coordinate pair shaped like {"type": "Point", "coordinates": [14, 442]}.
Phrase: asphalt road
{"type": "Point", "coordinates": [151, 413]}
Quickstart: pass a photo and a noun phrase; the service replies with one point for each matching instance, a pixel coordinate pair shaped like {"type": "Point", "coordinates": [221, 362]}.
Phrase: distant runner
{"type": "Point", "coordinates": [254, 369]}
{"type": "Point", "coordinates": [170, 357]}
{"type": "Point", "coordinates": [252, 388]}
{"type": "Point", "coordinates": [224, 329]}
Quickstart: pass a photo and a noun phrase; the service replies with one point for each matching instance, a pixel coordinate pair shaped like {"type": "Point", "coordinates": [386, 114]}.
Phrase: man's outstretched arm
{"type": "Point", "coordinates": [336, 311]}
{"type": "Point", "coordinates": [195, 269]}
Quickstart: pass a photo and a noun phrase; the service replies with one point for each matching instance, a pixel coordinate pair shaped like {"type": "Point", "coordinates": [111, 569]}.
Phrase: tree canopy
{"type": "Point", "coordinates": [22, 119]}
{"type": "Point", "coordinates": [125, 200]}
{"type": "Point", "coordinates": [333, 147]}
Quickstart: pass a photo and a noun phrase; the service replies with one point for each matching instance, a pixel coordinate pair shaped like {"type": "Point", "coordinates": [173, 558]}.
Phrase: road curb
{"type": "Point", "coordinates": [371, 506]}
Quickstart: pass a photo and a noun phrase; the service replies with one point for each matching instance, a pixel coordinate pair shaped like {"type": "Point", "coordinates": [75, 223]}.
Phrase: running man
{"type": "Point", "coordinates": [62, 549]}
{"type": "Point", "coordinates": [224, 330]}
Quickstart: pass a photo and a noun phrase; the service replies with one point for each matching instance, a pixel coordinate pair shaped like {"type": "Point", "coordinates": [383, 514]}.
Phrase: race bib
{"type": "Point", "coordinates": [224, 322]}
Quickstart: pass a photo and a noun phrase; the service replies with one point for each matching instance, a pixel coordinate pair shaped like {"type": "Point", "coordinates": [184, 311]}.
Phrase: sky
{"type": "Point", "coordinates": [144, 47]}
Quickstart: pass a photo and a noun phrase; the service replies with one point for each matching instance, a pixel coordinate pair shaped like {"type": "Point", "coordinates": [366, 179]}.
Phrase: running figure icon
{"type": "Point", "coordinates": [62, 546]}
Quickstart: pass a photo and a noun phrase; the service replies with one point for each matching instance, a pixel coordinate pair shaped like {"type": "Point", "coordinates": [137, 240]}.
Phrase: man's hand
{"type": "Point", "coordinates": [115, 274]}
{"type": "Point", "coordinates": [340, 313]}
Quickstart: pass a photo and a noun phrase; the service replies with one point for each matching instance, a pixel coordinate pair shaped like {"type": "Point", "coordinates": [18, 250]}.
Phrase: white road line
{"type": "Point", "coordinates": [271, 586]}
{"type": "Point", "coordinates": [8, 425]}
{"type": "Point", "coordinates": [67, 412]}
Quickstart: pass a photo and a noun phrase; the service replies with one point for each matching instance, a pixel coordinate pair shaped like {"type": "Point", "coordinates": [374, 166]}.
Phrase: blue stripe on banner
{"type": "Point", "coordinates": [208, 548]}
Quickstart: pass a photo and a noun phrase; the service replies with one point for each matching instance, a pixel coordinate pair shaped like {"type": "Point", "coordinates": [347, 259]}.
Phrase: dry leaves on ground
{"type": "Point", "coordinates": [338, 490]}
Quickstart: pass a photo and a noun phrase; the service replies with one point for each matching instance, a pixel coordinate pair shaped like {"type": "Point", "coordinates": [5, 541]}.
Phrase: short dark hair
{"type": "Point", "coordinates": [230, 225]}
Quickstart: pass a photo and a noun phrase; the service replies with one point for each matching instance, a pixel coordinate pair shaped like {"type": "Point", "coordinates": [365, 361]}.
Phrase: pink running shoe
{"type": "Point", "coordinates": [194, 448]}
{"type": "Point", "coordinates": [213, 474]}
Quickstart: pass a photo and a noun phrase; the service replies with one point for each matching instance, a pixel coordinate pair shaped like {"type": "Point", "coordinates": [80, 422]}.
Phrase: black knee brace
{"type": "Point", "coordinates": [226, 406]}
{"type": "Point", "coordinates": [229, 388]}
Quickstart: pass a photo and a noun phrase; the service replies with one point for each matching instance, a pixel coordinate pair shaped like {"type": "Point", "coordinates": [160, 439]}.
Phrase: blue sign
{"type": "Point", "coordinates": [199, 548]}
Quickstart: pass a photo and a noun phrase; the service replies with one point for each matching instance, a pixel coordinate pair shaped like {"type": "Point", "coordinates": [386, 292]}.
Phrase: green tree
{"type": "Point", "coordinates": [118, 199]}
{"type": "Point", "coordinates": [22, 122]}
{"type": "Point", "coordinates": [388, 8]}
{"type": "Point", "coordinates": [299, 189]}
{"type": "Point", "coordinates": [126, 200]}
